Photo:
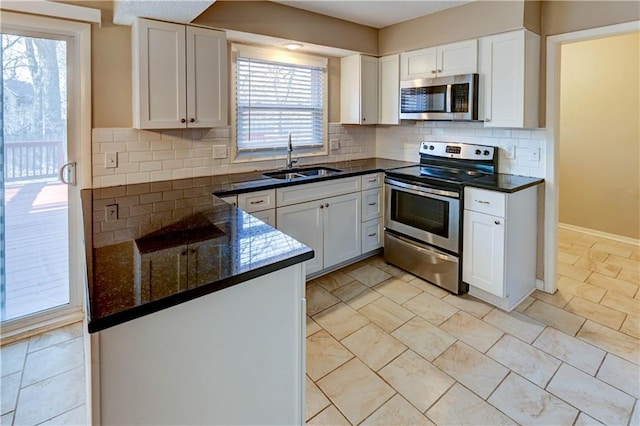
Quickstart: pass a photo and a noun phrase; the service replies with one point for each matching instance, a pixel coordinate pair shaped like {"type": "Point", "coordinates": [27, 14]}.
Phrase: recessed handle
{"type": "Point", "coordinates": [256, 202]}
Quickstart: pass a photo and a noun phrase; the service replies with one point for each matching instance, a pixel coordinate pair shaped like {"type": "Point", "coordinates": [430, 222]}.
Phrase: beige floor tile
{"type": "Point", "coordinates": [324, 354]}
{"type": "Point", "coordinates": [596, 398]}
{"type": "Point", "coordinates": [527, 404]}
{"type": "Point", "coordinates": [473, 369]}
{"type": "Point", "coordinates": [373, 346]}
{"type": "Point", "coordinates": [558, 299]}
{"type": "Point", "coordinates": [515, 323]}
{"type": "Point", "coordinates": [427, 287]}
{"type": "Point", "coordinates": [377, 261]}
{"type": "Point", "coordinates": [596, 312]}
{"type": "Point", "coordinates": [355, 390]}
{"type": "Point", "coordinates": [623, 262]}
{"type": "Point", "coordinates": [9, 392]}
{"type": "Point", "coordinates": [424, 338]}
{"type": "Point", "coordinates": [572, 271]}
{"type": "Point", "coordinates": [330, 416]}
{"type": "Point", "coordinates": [397, 411]}
{"type": "Point", "coordinates": [570, 350]}
{"type": "Point", "coordinates": [631, 325]}
{"type": "Point", "coordinates": [469, 304]}
{"type": "Point", "coordinates": [472, 331]}
{"type": "Point", "coordinates": [61, 393]}
{"type": "Point", "coordinates": [587, 253]}
{"type": "Point", "coordinates": [353, 266]}
{"type": "Point", "coordinates": [528, 301]}
{"type": "Point", "coordinates": [397, 290]}
{"type": "Point", "coordinates": [531, 363]}
{"type": "Point", "coordinates": [75, 417]}
{"type": "Point", "coordinates": [398, 273]}
{"type": "Point", "coordinates": [612, 248]}
{"type": "Point", "coordinates": [431, 308]}
{"type": "Point", "coordinates": [316, 400]}
{"type": "Point", "coordinates": [333, 280]}
{"type": "Point", "coordinates": [621, 303]}
{"type": "Point", "coordinates": [613, 284]}
{"type": "Point", "coordinates": [567, 257]}
{"type": "Point", "coordinates": [53, 360]}
{"type": "Point", "coordinates": [555, 317]}
{"type": "Point", "coordinates": [356, 294]}
{"type": "Point", "coordinates": [630, 275]}
{"type": "Point", "coordinates": [635, 417]}
{"type": "Point", "coordinates": [586, 420]}
{"type": "Point", "coordinates": [319, 299]}
{"type": "Point", "coordinates": [600, 267]}
{"type": "Point", "coordinates": [417, 380]}
{"type": "Point", "coordinates": [13, 357]}
{"type": "Point", "coordinates": [386, 314]}
{"type": "Point", "coordinates": [312, 327]}
{"type": "Point", "coordinates": [636, 254]}
{"type": "Point", "coordinates": [621, 374]}
{"type": "Point", "coordinates": [340, 320]}
{"type": "Point", "coordinates": [617, 343]}
{"type": "Point", "coordinates": [369, 275]}
{"type": "Point", "coordinates": [56, 336]}
{"type": "Point", "coordinates": [459, 406]}
{"type": "Point", "coordinates": [578, 288]}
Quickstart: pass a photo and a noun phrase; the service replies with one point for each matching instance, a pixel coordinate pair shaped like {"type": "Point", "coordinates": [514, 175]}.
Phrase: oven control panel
{"type": "Point", "coordinates": [457, 150]}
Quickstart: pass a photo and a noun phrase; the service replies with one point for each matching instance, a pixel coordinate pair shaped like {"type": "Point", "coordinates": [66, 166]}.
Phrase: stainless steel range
{"type": "Point", "coordinates": [424, 210]}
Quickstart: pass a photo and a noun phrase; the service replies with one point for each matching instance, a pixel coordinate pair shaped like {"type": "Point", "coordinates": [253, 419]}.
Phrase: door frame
{"type": "Point", "coordinates": [79, 150]}
{"type": "Point", "coordinates": [552, 175]}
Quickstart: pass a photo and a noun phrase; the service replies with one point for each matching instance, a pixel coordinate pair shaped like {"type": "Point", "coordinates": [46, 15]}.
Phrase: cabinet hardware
{"type": "Point", "coordinates": [326, 205]}
{"type": "Point", "coordinates": [497, 222]}
{"type": "Point", "coordinates": [373, 180]}
{"type": "Point", "coordinates": [487, 120]}
{"type": "Point", "coordinates": [182, 120]}
{"type": "Point", "coordinates": [256, 202]}
{"type": "Point", "coordinates": [321, 206]}
{"type": "Point", "coordinates": [483, 202]}
{"type": "Point", "coordinates": [192, 120]}
{"type": "Point", "coordinates": [364, 119]}
{"type": "Point", "coordinates": [439, 70]}
{"type": "Point", "coordinates": [373, 235]}
{"type": "Point", "coordinates": [183, 253]}
{"type": "Point", "coordinates": [372, 204]}
{"type": "Point", "coordinates": [192, 251]}
{"type": "Point", "coordinates": [433, 71]}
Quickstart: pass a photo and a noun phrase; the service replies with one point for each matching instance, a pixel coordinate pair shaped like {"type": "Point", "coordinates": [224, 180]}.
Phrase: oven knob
{"type": "Point", "coordinates": [486, 152]}
{"type": "Point", "coordinates": [478, 152]}
{"type": "Point", "coordinates": [431, 147]}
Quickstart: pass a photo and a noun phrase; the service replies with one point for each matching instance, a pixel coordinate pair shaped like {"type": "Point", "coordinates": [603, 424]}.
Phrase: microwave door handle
{"type": "Point", "coordinates": [448, 99]}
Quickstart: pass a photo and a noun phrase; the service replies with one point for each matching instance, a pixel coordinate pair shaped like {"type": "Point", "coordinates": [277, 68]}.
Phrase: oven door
{"type": "Point", "coordinates": [426, 214]}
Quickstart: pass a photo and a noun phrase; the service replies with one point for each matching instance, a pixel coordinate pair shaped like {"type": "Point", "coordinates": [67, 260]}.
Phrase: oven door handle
{"type": "Point", "coordinates": [420, 190]}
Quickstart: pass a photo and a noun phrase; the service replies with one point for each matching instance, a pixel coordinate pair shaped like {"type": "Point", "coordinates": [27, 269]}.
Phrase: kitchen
{"type": "Point", "coordinates": [112, 116]}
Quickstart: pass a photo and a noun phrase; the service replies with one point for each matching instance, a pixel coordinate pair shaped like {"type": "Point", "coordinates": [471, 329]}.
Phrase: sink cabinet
{"type": "Point", "coordinates": [179, 76]}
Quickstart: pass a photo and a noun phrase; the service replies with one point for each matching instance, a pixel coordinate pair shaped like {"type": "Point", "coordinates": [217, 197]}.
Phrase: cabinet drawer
{"type": "Point", "coordinates": [256, 201]}
{"type": "Point", "coordinates": [373, 180]}
{"type": "Point", "coordinates": [371, 235]}
{"type": "Point", "coordinates": [371, 204]}
{"type": "Point", "coordinates": [315, 191]}
{"type": "Point", "coordinates": [483, 201]}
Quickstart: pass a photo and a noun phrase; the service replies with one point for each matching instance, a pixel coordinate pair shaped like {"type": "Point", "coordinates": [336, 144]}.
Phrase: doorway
{"type": "Point", "coordinates": [45, 70]}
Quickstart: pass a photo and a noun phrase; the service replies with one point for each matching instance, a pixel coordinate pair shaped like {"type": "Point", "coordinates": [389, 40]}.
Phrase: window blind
{"type": "Point", "coordinates": [274, 99]}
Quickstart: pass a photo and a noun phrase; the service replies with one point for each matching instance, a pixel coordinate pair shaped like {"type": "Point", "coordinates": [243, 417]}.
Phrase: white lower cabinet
{"type": "Point", "coordinates": [372, 233]}
{"type": "Point", "coordinates": [330, 226]}
{"type": "Point", "coordinates": [499, 245]}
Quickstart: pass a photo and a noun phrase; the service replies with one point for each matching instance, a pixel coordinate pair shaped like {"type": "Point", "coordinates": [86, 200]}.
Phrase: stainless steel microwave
{"type": "Point", "coordinates": [442, 98]}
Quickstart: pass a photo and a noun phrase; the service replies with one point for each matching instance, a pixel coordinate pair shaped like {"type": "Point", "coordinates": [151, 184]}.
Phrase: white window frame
{"type": "Point", "coordinates": [276, 55]}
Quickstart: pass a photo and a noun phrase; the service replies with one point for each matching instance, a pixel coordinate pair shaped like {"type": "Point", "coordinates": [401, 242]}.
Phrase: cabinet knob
{"type": "Point", "coordinates": [321, 206]}
{"type": "Point", "coordinates": [192, 120]}
{"type": "Point", "coordinates": [364, 119]}
{"type": "Point", "coordinates": [497, 222]}
{"type": "Point", "coordinates": [326, 205]}
{"type": "Point", "coordinates": [439, 70]}
{"type": "Point", "coordinates": [182, 120]}
{"type": "Point", "coordinates": [487, 120]}
{"type": "Point", "coordinates": [433, 71]}
{"type": "Point", "coordinates": [183, 253]}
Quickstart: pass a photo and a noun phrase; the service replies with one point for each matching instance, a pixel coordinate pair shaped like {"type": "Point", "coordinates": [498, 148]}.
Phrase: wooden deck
{"type": "Point", "coordinates": [36, 246]}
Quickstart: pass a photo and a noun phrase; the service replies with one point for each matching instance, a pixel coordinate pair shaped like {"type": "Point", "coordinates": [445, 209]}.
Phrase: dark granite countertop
{"type": "Point", "coordinates": [164, 223]}
{"type": "Point", "coordinates": [504, 183]}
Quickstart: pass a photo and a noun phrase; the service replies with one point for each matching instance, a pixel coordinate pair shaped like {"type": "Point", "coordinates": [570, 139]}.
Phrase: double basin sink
{"type": "Point", "coordinates": [297, 173]}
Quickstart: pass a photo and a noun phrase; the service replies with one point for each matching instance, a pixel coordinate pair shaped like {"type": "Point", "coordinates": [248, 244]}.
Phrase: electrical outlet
{"type": "Point", "coordinates": [111, 160]}
{"type": "Point", "coordinates": [334, 144]}
{"type": "Point", "coordinates": [405, 143]}
{"type": "Point", "coordinates": [534, 154]}
{"type": "Point", "coordinates": [510, 152]}
{"type": "Point", "coordinates": [112, 212]}
{"type": "Point", "coordinates": [219, 151]}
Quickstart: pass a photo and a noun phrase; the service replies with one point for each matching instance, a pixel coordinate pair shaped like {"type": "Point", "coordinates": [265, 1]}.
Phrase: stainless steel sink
{"type": "Point", "coordinates": [301, 173]}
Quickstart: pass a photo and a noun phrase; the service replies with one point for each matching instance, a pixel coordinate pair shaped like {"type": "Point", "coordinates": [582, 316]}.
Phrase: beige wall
{"type": "Point", "coordinates": [600, 135]}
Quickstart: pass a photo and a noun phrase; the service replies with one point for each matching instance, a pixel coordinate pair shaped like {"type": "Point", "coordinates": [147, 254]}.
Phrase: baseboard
{"type": "Point", "coordinates": [595, 233]}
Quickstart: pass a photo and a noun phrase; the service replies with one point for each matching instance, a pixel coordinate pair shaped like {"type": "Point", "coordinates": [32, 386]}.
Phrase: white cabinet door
{"type": "Point", "coordinates": [342, 227]}
{"type": "Point", "coordinates": [206, 78]}
{"type": "Point", "coordinates": [304, 223]}
{"type": "Point", "coordinates": [159, 75]}
{"type": "Point", "coordinates": [458, 58]}
{"type": "Point", "coordinates": [358, 90]}
{"type": "Point", "coordinates": [483, 252]}
{"type": "Point", "coordinates": [369, 90]}
{"type": "Point", "coordinates": [418, 64]}
{"type": "Point", "coordinates": [509, 73]}
{"type": "Point", "coordinates": [389, 89]}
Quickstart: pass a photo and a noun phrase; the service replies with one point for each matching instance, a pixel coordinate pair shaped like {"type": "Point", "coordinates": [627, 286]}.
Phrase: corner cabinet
{"type": "Point", "coordinates": [509, 67]}
{"type": "Point", "coordinates": [179, 76]}
{"type": "Point", "coordinates": [359, 90]}
{"type": "Point", "coordinates": [440, 61]}
{"type": "Point", "coordinates": [499, 245]}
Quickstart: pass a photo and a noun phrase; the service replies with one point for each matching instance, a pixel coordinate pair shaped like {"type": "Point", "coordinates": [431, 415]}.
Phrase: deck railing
{"type": "Point", "coordinates": [32, 160]}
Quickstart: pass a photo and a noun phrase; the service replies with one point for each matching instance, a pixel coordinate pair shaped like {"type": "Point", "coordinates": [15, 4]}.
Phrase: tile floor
{"type": "Point", "coordinates": [386, 348]}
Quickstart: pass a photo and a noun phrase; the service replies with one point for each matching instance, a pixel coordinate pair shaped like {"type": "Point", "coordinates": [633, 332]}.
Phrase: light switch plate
{"type": "Point", "coordinates": [334, 144]}
{"type": "Point", "coordinates": [220, 151]}
{"type": "Point", "coordinates": [111, 160]}
{"type": "Point", "coordinates": [534, 154]}
{"type": "Point", "coordinates": [510, 152]}
{"type": "Point", "coordinates": [111, 212]}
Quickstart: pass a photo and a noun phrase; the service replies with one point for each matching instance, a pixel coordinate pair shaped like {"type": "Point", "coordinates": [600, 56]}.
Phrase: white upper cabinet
{"type": "Point", "coordinates": [179, 76]}
{"type": "Point", "coordinates": [359, 90]}
{"type": "Point", "coordinates": [389, 89]}
{"type": "Point", "coordinates": [509, 72]}
{"type": "Point", "coordinates": [440, 61]}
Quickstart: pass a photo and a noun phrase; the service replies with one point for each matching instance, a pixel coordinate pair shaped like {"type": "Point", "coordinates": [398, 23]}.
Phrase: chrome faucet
{"type": "Point", "coordinates": [290, 162]}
